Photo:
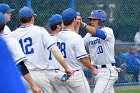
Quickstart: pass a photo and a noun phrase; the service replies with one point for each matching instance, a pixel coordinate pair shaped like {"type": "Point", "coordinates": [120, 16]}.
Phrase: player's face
{"type": "Point", "coordinates": [134, 51]}
{"type": "Point", "coordinates": [8, 16]}
{"type": "Point", "coordinates": [94, 22]}
{"type": "Point", "coordinates": [76, 22]}
{"type": "Point", "coordinates": [33, 19]}
{"type": "Point", "coordinates": [62, 26]}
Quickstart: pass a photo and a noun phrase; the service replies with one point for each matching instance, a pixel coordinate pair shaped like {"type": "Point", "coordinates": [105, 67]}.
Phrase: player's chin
{"type": "Point", "coordinates": [92, 25]}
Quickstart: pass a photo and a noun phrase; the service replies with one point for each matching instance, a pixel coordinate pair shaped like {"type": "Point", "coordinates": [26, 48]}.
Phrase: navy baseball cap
{"type": "Point", "coordinates": [4, 8]}
{"type": "Point", "coordinates": [2, 18]}
{"type": "Point", "coordinates": [55, 19]}
{"type": "Point", "coordinates": [69, 14]}
{"type": "Point", "coordinates": [26, 12]}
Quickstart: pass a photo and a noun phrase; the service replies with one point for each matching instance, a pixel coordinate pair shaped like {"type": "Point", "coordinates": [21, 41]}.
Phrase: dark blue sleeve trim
{"type": "Point", "coordinates": [100, 33]}
{"type": "Point", "coordinates": [51, 46]}
{"type": "Point", "coordinates": [82, 56]}
{"type": "Point", "coordinates": [20, 59]}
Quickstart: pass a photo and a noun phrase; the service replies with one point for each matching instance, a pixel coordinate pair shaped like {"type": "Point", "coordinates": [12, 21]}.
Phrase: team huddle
{"type": "Point", "coordinates": [53, 63]}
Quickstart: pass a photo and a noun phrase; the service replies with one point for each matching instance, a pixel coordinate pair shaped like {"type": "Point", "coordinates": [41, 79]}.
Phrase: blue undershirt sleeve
{"type": "Point", "coordinates": [100, 33]}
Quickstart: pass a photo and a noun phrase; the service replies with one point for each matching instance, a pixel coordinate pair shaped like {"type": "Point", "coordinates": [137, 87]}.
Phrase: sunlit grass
{"type": "Point", "coordinates": [127, 91]}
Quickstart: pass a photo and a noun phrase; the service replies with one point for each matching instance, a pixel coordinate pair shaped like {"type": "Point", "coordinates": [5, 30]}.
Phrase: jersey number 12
{"type": "Point", "coordinates": [26, 45]}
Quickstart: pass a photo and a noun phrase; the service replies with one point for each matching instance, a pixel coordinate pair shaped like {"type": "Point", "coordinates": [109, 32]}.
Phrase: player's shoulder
{"type": "Point", "coordinates": [9, 39]}
{"type": "Point", "coordinates": [76, 35]}
{"type": "Point", "coordinates": [108, 29]}
{"type": "Point", "coordinates": [40, 29]}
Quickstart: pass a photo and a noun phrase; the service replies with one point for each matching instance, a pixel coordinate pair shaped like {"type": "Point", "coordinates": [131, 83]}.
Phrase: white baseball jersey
{"type": "Point", "coordinates": [6, 30]}
{"type": "Point", "coordinates": [72, 47]}
{"type": "Point", "coordinates": [137, 40]}
{"type": "Point", "coordinates": [137, 37]}
{"type": "Point", "coordinates": [53, 63]}
{"type": "Point", "coordinates": [34, 40]}
{"type": "Point", "coordinates": [14, 48]}
{"type": "Point", "coordinates": [101, 51]}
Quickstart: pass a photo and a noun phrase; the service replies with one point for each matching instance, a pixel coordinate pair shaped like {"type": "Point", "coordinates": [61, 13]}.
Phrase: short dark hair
{"type": "Point", "coordinates": [25, 20]}
{"type": "Point", "coordinates": [68, 23]}
{"type": "Point", "coordinates": [55, 26]}
{"type": "Point", "coordinates": [2, 27]}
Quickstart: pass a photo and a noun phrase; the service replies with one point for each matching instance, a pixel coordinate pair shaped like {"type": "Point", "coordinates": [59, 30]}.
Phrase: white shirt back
{"type": "Point", "coordinates": [34, 40]}
{"type": "Point", "coordinates": [101, 51]}
{"type": "Point", "coordinates": [72, 47]}
{"type": "Point", "coordinates": [6, 30]}
{"type": "Point", "coordinates": [14, 48]}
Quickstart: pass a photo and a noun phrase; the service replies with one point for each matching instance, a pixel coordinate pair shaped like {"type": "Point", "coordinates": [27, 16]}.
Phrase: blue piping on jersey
{"type": "Point", "coordinates": [20, 59]}
{"type": "Point", "coordinates": [52, 34]}
{"type": "Point", "coordinates": [82, 56]}
{"type": "Point", "coordinates": [108, 80]}
{"type": "Point", "coordinates": [51, 46]}
{"type": "Point", "coordinates": [100, 33]}
{"type": "Point", "coordinates": [25, 26]}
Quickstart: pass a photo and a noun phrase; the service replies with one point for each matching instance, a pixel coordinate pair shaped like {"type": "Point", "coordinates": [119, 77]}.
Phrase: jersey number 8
{"type": "Point", "coordinates": [62, 47]}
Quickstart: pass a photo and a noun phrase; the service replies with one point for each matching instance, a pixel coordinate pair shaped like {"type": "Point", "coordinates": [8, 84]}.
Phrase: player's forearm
{"type": "Point", "coordinates": [29, 79]}
{"type": "Point", "coordinates": [77, 27]}
{"type": "Point", "coordinates": [89, 28]}
{"type": "Point", "coordinates": [23, 68]}
{"type": "Point", "coordinates": [58, 55]}
{"type": "Point", "coordinates": [86, 62]}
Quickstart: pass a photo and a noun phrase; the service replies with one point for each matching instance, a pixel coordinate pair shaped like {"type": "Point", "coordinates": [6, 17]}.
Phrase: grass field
{"type": "Point", "coordinates": [127, 91]}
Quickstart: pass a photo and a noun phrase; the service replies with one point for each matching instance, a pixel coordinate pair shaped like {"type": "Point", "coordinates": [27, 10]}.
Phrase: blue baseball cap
{"type": "Point", "coordinates": [69, 14]}
{"type": "Point", "coordinates": [2, 18]}
{"type": "Point", "coordinates": [26, 12]}
{"type": "Point", "coordinates": [4, 8]}
{"type": "Point", "coordinates": [55, 19]}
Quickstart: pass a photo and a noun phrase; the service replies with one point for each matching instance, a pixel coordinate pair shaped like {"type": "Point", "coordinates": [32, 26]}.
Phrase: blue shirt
{"type": "Point", "coordinates": [132, 63]}
{"type": "Point", "coordinates": [10, 81]}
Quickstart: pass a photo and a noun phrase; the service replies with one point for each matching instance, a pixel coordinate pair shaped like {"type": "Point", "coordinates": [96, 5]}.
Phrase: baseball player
{"type": "Point", "coordinates": [72, 47]}
{"type": "Point", "coordinates": [100, 42]}
{"type": "Point", "coordinates": [10, 81]}
{"type": "Point", "coordinates": [5, 9]}
{"type": "Point", "coordinates": [34, 41]}
{"type": "Point", "coordinates": [56, 24]}
{"type": "Point", "coordinates": [18, 55]}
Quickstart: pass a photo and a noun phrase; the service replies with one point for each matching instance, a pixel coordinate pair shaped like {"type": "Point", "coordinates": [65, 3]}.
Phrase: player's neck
{"type": "Point", "coordinates": [69, 27]}
{"type": "Point", "coordinates": [26, 24]}
{"type": "Point", "coordinates": [55, 32]}
{"type": "Point", "coordinates": [1, 32]}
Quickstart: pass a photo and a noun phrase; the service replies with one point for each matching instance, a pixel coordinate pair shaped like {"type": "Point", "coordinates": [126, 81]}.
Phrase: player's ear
{"type": "Point", "coordinates": [58, 25]}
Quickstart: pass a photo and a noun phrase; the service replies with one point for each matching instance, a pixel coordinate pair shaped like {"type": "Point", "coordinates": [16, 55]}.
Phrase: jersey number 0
{"type": "Point", "coordinates": [26, 45]}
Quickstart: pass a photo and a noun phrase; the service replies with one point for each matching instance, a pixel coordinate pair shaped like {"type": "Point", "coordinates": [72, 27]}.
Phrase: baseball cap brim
{"type": "Point", "coordinates": [35, 14]}
{"type": "Point", "coordinates": [11, 10]}
{"type": "Point", "coordinates": [91, 17]}
{"type": "Point", "coordinates": [78, 13]}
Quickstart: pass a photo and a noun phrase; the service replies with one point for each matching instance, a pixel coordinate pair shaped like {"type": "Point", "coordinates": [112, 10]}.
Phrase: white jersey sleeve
{"type": "Point", "coordinates": [48, 41]}
{"type": "Point", "coordinates": [80, 48]}
{"type": "Point", "coordinates": [15, 49]}
{"type": "Point", "coordinates": [109, 33]}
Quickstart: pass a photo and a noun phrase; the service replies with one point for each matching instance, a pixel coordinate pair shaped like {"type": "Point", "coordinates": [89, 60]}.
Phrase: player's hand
{"type": "Point", "coordinates": [95, 72]}
{"type": "Point", "coordinates": [37, 89]}
{"type": "Point", "coordinates": [77, 26]}
{"type": "Point", "coordinates": [119, 69]}
{"type": "Point", "coordinates": [69, 72]}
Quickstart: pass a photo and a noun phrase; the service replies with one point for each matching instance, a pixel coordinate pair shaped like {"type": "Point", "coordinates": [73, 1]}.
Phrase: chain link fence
{"type": "Point", "coordinates": [123, 15]}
